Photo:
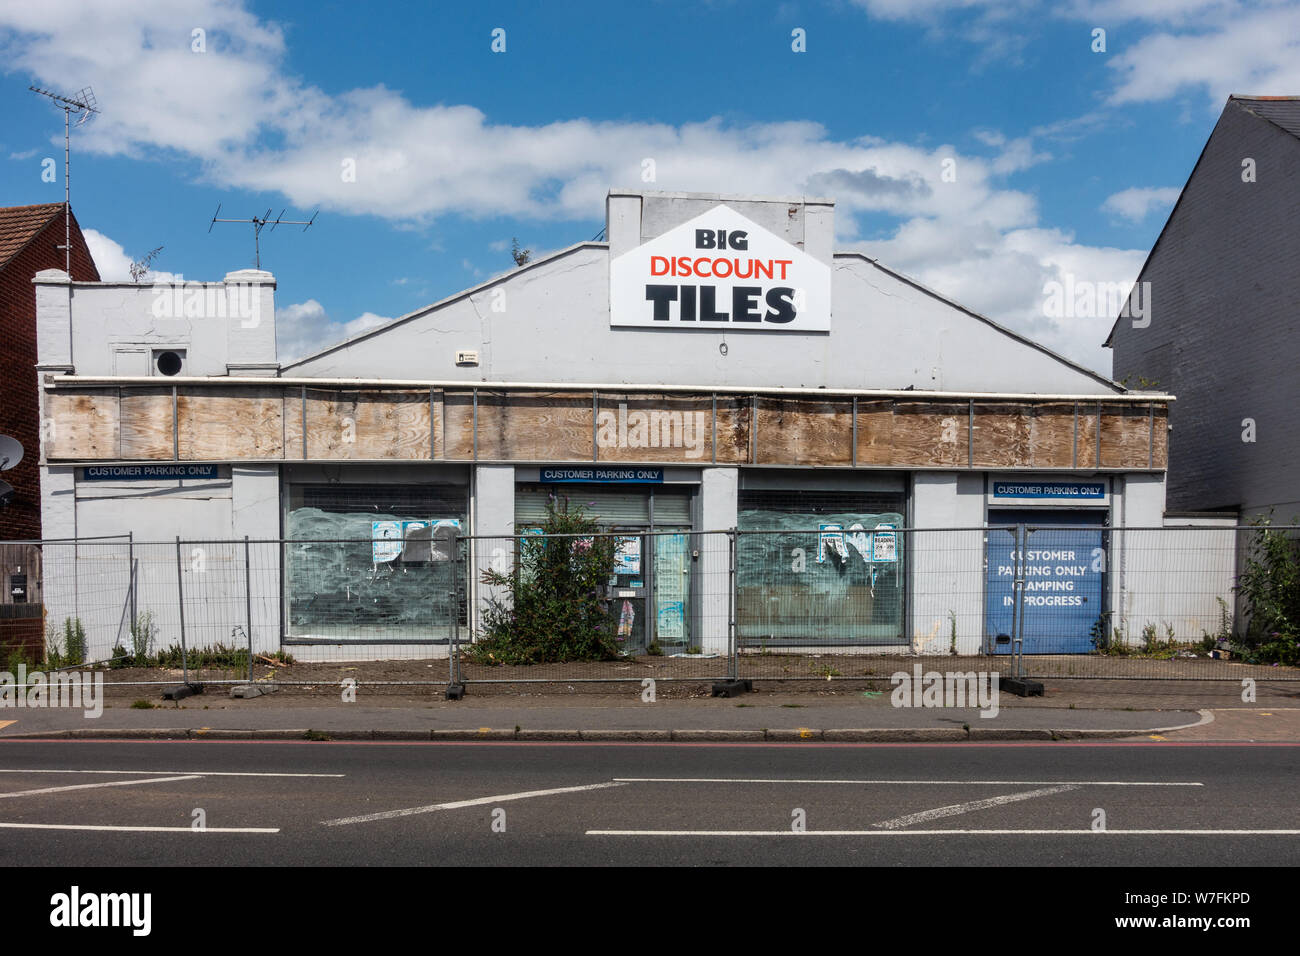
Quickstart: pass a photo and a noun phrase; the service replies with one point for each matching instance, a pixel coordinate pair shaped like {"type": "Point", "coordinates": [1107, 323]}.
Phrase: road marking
{"type": "Point", "coordinates": [78, 826]}
{"type": "Point", "coordinates": [959, 808]}
{"type": "Point", "coordinates": [477, 801]}
{"type": "Point", "coordinates": [809, 833]}
{"type": "Point", "coordinates": [6, 723]}
{"type": "Point", "coordinates": [977, 783]}
{"type": "Point", "coordinates": [201, 773]}
{"type": "Point", "coordinates": [94, 786]}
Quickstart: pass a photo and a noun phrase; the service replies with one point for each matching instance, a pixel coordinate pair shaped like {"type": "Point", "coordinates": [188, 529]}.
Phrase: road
{"type": "Point", "coordinates": [104, 803]}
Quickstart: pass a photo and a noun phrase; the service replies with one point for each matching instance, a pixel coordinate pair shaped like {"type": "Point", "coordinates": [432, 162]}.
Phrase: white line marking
{"type": "Point", "coordinates": [94, 786]}
{"type": "Point", "coordinates": [73, 826]}
{"type": "Point", "coordinates": [201, 773]}
{"type": "Point", "coordinates": [959, 808]}
{"type": "Point", "coordinates": [456, 805]}
{"type": "Point", "coordinates": [954, 783]}
{"type": "Point", "coordinates": [808, 833]}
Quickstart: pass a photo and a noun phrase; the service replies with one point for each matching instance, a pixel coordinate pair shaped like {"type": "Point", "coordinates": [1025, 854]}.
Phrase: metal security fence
{"type": "Point", "coordinates": [837, 601]}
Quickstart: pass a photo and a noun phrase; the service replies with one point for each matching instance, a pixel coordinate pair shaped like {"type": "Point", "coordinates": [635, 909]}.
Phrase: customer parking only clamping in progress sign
{"type": "Point", "coordinates": [720, 271]}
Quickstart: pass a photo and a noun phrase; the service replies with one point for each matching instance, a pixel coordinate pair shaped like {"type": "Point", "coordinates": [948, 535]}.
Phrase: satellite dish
{"type": "Point", "coordinates": [11, 452]}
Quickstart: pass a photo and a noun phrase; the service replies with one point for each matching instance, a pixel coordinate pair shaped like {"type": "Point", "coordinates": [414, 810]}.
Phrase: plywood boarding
{"type": "Point", "coordinates": [222, 423]}
{"type": "Point", "coordinates": [1125, 436]}
{"type": "Point", "coordinates": [733, 429]}
{"type": "Point", "coordinates": [368, 425]}
{"type": "Point", "coordinates": [147, 424]}
{"type": "Point", "coordinates": [1051, 436]}
{"type": "Point", "coordinates": [931, 435]}
{"type": "Point", "coordinates": [1160, 436]}
{"type": "Point", "coordinates": [655, 427]}
{"type": "Point", "coordinates": [1086, 444]}
{"type": "Point", "coordinates": [810, 432]}
{"type": "Point", "coordinates": [84, 425]}
{"type": "Point", "coordinates": [875, 433]}
{"type": "Point", "coordinates": [525, 426]}
{"type": "Point", "coordinates": [1002, 435]}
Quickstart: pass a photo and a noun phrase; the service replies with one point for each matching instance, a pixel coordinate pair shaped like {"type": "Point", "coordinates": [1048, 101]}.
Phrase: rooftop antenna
{"type": "Point", "coordinates": [84, 103]}
{"type": "Point", "coordinates": [259, 222]}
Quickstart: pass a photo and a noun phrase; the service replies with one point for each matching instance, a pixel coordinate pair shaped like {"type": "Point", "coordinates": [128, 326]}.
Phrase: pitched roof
{"type": "Point", "coordinates": [20, 224]}
{"type": "Point", "coordinates": [1283, 111]}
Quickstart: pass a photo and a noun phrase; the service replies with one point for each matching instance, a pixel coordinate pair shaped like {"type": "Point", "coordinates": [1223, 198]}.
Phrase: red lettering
{"type": "Point", "coordinates": [656, 269]}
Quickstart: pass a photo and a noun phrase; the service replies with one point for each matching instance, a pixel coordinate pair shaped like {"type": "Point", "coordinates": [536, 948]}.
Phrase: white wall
{"type": "Point", "coordinates": [946, 567]}
{"type": "Point", "coordinates": [719, 497]}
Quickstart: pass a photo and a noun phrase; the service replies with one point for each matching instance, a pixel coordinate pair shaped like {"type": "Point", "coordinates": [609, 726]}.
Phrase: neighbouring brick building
{"type": "Point", "coordinates": [31, 240]}
{"type": "Point", "coordinates": [1223, 330]}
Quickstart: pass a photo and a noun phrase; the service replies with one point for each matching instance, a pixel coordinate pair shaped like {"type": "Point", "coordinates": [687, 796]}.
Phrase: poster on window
{"type": "Point", "coordinates": [627, 556]}
{"type": "Point", "coordinates": [831, 541]}
{"type": "Point", "coordinates": [386, 541]}
{"type": "Point", "coordinates": [884, 547]}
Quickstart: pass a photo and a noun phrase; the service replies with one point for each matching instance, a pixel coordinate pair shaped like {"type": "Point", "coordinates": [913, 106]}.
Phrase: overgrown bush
{"type": "Point", "coordinates": [553, 609]}
{"type": "Point", "coordinates": [1270, 586]}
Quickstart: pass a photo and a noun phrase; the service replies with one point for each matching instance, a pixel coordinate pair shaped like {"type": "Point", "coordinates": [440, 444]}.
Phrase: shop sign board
{"type": "Point", "coordinates": [562, 475]}
{"type": "Point", "coordinates": [720, 270]}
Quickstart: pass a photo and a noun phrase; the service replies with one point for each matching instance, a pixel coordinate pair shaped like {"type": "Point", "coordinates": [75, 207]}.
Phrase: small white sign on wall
{"type": "Point", "coordinates": [720, 271]}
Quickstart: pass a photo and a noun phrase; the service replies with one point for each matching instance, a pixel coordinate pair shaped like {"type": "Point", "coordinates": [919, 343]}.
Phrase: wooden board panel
{"type": "Point", "coordinates": [1051, 436]}
{"type": "Point", "coordinates": [1160, 451]}
{"type": "Point", "coordinates": [930, 434]}
{"type": "Point", "coordinates": [1087, 442]}
{"type": "Point", "coordinates": [84, 425]}
{"type": "Point", "coordinates": [536, 426]}
{"type": "Point", "coordinates": [809, 432]}
{"type": "Point", "coordinates": [875, 433]}
{"type": "Point", "coordinates": [458, 425]}
{"type": "Point", "coordinates": [369, 425]}
{"type": "Point", "coordinates": [733, 429]}
{"type": "Point", "coordinates": [147, 424]}
{"type": "Point", "coordinates": [655, 428]}
{"type": "Point", "coordinates": [217, 424]}
{"type": "Point", "coordinates": [1125, 436]}
{"type": "Point", "coordinates": [1002, 435]}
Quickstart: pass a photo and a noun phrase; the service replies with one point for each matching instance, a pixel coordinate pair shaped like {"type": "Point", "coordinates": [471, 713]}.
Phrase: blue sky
{"type": "Point", "coordinates": [1067, 159]}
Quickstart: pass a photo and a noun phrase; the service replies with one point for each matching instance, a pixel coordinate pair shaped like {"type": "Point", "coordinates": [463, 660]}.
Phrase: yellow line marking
{"type": "Point", "coordinates": [6, 723]}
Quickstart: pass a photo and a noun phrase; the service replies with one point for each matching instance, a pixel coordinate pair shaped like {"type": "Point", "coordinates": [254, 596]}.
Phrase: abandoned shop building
{"type": "Point", "coordinates": [713, 364]}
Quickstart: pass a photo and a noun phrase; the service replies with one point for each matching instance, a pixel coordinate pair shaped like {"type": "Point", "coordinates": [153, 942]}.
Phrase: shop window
{"type": "Point", "coordinates": [820, 568]}
{"type": "Point", "coordinates": [373, 563]}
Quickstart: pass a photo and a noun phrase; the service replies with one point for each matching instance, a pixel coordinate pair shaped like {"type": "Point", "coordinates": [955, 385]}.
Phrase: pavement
{"type": "Point", "coordinates": [1200, 711]}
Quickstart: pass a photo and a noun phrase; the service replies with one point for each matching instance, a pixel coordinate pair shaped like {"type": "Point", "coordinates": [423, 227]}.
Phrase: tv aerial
{"type": "Point", "coordinates": [83, 102]}
{"type": "Point", "coordinates": [260, 222]}
{"type": "Point", "coordinates": [11, 453]}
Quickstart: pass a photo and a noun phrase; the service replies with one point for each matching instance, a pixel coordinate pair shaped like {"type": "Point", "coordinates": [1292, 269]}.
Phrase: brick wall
{"type": "Point", "coordinates": [19, 399]}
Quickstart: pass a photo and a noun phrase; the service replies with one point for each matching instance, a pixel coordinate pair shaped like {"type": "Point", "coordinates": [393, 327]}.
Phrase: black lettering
{"type": "Point", "coordinates": [708, 312]}
{"type": "Point", "coordinates": [744, 308]}
{"type": "Point", "coordinates": [688, 303]}
{"type": "Point", "coordinates": [781, 302]}
{"type": "Point", "coordinates": [703, 238]}
{"type": "Point", "coordinates": [740, 240]}
{"type": "Point", "coordinates": [661, 295]}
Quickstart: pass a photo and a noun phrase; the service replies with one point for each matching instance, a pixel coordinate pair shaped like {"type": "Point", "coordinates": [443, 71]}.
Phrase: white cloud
{"type": "Point", "coordinates": [305, 327]}
{"type": "Point", "coordinates": [1137, 203]}
{"type": "Point", "coordinates": [237, 114]}
{"type": "Point", "coordinates": [113, 262]}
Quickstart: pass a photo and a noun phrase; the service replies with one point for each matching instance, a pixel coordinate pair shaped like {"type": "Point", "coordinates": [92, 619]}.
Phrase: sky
{"type": "Point", "coordinates": [986, 148]}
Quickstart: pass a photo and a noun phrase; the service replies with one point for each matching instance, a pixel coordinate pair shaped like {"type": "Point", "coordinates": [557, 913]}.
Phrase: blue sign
{"type": "Point", "coordinates": [1056, 490]}
{"type": "Point", "coordinates": [148, 472]}
{"type": "Point", "coordinates": [621, 476]}
{"type": "Point", "coordinates": [1063, 571]}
